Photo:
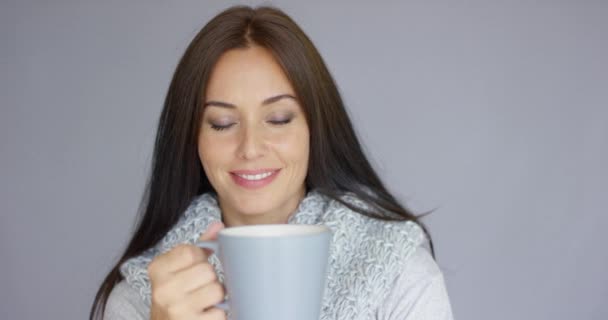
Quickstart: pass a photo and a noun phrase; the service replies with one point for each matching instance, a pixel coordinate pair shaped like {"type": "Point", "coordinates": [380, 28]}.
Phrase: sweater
{"type": "Point", "coordinates": [376, 270]}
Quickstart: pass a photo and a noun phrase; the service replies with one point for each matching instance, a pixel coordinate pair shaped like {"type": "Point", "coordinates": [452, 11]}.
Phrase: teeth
{"type": "Point", "coordinates": [254, 177]}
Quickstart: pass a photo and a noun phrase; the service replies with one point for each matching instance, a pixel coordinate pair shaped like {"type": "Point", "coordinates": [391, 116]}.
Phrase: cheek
{"type": "Point", "coordinates": [294, 147]}
{"type": "Point", "coordinates": [204, 158]}
{"type": "Point", "coordinates": [212, 152]}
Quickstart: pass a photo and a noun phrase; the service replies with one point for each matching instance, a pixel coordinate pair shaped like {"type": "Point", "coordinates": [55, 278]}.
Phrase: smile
{"type": "Point", "coordinates": [255, 176]}
{"type": "Point", "coordinates": [254, 179]}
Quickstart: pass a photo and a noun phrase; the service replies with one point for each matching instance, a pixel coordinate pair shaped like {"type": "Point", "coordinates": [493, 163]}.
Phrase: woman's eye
{"type": "Point", "coordinates": [219, 127]}
{"type": "Point", "coordinates": [280, 122]}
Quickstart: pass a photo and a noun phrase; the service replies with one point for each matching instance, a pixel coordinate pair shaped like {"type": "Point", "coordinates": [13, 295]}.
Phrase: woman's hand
{"type": "Point", "coordinates": [184, 284]}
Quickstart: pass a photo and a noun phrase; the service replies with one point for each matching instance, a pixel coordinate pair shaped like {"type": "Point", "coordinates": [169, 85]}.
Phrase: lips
{"type": "Point", "coordinates": [254, 179]}
{"type": "Point", "coordinates": [255, 171]}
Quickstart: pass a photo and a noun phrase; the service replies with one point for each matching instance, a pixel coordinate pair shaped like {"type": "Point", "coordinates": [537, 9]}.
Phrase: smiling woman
{"type": "Point", "coordinates": [254, 131]}
{"type": "Point", "coordinates": [254, 139]}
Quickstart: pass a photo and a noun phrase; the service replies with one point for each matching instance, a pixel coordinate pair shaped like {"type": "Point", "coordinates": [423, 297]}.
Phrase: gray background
{"type": "Point", "coordinates": [494, 113]}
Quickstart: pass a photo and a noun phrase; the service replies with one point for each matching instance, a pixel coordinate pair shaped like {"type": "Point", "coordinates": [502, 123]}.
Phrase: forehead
{"type": "Point", "coordinates": [247, 74]}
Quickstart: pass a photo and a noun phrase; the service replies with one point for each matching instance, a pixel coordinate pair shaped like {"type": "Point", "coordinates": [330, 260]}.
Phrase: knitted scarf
{"type": "Point", "coordinates": [366, 254]}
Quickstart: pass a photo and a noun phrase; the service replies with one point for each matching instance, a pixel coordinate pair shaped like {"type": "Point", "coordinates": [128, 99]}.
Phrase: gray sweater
{"type": "Point", "coordinates": [406, 282]}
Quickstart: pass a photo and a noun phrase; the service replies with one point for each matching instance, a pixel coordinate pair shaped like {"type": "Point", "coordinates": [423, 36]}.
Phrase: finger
{"type": "Point", "coordinates": [213, 314]}
{"type": "Point", "coordinates": [182, 256]}
{"type": "Point", "coordinates": [192, 278]}
{"type": "Point", "coordinates": [206, 297]}
{"type": "Point", "coordinates": [211, 232]}
{"type": "Point", "coordinates": [178, 258]}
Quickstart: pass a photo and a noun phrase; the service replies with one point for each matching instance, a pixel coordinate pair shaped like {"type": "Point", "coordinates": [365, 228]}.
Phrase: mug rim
{"type": "Point", "coordinates": [274, 231]}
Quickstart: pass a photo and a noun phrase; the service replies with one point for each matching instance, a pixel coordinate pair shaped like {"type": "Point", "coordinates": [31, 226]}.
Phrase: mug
{"type": "Point", "coordinates": [273, 272]}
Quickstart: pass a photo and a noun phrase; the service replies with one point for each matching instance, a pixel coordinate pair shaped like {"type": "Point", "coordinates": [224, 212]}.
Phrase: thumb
{"type": "Point", "coordinates": [212, 231]}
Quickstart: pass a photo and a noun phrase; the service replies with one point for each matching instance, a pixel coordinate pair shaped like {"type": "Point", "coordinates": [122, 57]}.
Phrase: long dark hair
{"type": "Point", "coordinates": [337, 163]}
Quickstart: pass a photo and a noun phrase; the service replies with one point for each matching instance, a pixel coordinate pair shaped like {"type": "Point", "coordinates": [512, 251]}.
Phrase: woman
{"type": "Point", "coordinates": [254, 131]}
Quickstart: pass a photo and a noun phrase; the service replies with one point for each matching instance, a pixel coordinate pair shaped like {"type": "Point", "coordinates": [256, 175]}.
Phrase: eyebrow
{"type": "Point", "coordinates": [264, 103]}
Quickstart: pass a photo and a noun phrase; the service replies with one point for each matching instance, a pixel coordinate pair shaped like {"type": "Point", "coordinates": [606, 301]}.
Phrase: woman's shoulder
{"type": "Point", "coordinates": [124, 302]}
{"type": "Point", "coordinates": [351, 223]}
{"type": "Point", "coordinates": [369, 255]}
{"type": "Point", "coordinates": [419, 292]}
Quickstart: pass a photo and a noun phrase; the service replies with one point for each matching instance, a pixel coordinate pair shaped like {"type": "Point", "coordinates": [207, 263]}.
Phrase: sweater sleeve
{"type": "Point", "coordinates": [419, 292]}
{"type": "Point", "coordinates": [124, 303]}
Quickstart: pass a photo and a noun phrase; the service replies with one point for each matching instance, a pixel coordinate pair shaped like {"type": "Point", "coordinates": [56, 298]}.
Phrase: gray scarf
{"type": "Point", "coordinates": [366, 254]}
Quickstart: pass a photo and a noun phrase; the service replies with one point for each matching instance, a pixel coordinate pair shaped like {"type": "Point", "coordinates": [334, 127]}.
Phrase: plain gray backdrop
{"type": "Point", "coordinates": [494, 113]}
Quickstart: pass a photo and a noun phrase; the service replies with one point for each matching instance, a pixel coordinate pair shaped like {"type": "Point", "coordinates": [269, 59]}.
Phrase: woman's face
{"type": "Point", "coordinates": [254, 140]}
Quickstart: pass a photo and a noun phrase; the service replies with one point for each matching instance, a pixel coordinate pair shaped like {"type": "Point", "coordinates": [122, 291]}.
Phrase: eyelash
{"type": "Point", "coordinates": [275, 122]}
{"type": "Point", "coordinates": [220, 128]}
{"type": "Point", "coordinates": [281, 122]}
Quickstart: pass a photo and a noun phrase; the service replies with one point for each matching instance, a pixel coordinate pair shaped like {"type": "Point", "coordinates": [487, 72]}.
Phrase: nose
{"type": "Point", "coordinates": [251, 144]}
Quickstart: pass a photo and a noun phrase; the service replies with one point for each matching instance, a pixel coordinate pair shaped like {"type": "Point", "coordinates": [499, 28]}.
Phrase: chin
{"type": "Point", "coordinates": [254, 204]}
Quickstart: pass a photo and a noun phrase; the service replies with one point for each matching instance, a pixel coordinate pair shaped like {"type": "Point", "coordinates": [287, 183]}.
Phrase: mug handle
{"type": "Point", "coordinates": [213, 246]}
